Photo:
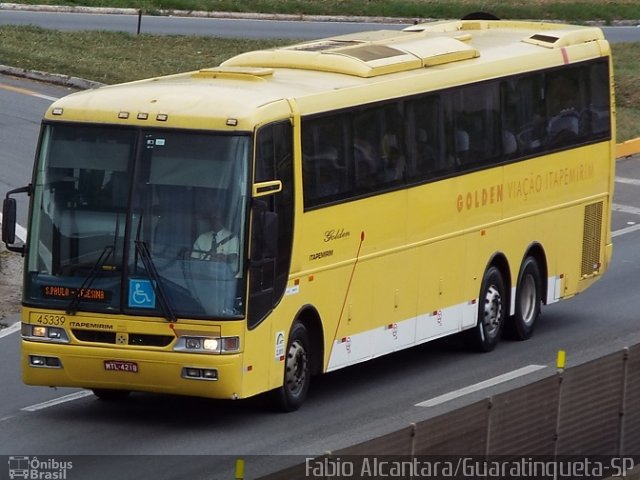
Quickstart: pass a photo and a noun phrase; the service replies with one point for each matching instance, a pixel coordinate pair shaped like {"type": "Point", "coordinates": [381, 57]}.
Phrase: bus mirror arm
{"type": "Point", "coordinates": [9, 216]}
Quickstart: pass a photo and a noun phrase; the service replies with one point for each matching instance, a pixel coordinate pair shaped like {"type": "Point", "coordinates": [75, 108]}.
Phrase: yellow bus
{"type": "Point", "coordinates": [235, 230]}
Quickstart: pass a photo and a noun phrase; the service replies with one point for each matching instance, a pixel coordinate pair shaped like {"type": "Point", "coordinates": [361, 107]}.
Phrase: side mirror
{"type": "Point", "coordinates": [9, 208]}
{"type": "Point", "coordinates": [9, 221]}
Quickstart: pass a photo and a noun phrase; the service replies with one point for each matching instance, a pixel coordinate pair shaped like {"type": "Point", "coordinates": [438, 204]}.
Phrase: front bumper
{"type": "Point", "coordinates": [152, 371]}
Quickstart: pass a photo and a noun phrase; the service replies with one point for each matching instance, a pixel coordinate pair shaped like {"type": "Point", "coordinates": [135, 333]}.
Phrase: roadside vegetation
{"type": "Point", "coordinates": [574, 10]}
{"type": "Point", "coordinates": [114, 57]}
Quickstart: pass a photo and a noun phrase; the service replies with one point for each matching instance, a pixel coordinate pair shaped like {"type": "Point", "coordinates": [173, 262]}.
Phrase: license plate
{"type": "Point", "coordinates": [120, 366]}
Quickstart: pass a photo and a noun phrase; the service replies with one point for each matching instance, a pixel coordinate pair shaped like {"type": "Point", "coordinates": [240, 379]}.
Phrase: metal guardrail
{"type": "Point", "coordinates": [589, 410]}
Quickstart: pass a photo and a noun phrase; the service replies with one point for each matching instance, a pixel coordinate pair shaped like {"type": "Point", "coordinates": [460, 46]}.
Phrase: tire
{"type": "Point", "coordinates": [297, 372]}
{"type": "Point", "coordinates": [110, 395]}
{"type": "Point", "coordinates": [528, 301]}
{"type": "Point", "coordinates": [492, 310]}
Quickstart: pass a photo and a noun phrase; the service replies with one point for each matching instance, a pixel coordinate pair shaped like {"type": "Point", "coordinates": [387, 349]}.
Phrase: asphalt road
{"type": "Point", "coordinates": [194, 438]}
{"type": "Point", "coordinates": [22, 105]}
{"type": "Point", "coordinates": [344, 407]}
{"type": "Point", "coordinates": [224, 27]}
{"type": "Point", "coordinates": [218, 27]}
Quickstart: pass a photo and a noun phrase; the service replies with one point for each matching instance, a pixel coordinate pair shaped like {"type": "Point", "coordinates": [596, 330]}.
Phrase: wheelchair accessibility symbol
{"type": "Point", "coordinates": [141, 294]}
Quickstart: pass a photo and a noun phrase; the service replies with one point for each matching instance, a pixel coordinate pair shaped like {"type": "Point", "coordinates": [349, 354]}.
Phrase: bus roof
{"type": "Point", "coordinates": [255, 87]}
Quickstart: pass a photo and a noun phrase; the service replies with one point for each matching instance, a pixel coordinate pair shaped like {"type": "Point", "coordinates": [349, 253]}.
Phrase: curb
{"type": "Point", "coordinates": [52, 78]}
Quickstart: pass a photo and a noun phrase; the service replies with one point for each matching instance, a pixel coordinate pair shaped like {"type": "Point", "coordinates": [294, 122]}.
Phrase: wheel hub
{"type": "Point", "coordinates": [296, 368]}
{"type": "Point", "coordinates": [492, 310]}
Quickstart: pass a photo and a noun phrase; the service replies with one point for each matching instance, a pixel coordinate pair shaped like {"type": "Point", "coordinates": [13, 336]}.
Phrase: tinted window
{"type": "Point", "coordinates": [375, 148]}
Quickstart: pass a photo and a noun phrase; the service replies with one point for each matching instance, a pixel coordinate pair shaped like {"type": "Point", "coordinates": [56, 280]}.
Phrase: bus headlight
{"type": "Point", "coordinates": [220, 345]}
{"type": "Point", "coordinates": [192, 343]}
{"type": "Point", "coordinates": [41, 333]}
{"type": "Point", "coordinates": [211, 344]}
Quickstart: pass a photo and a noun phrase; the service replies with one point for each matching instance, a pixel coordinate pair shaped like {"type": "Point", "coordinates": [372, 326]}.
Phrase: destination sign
{"type": "Point", "coordinates": [87, 294]}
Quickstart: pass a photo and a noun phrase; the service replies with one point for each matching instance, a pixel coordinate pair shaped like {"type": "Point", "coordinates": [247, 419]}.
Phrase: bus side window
{"type": "Point", "coordinates": [325, 182]}
{"type": "Point", "coordinates": [325, 176]}
{"type": "Point", "coordinates": [596, 119]}
{"type": "Point", "coordinates": [425, 150]}
{"type": "Point", "coordinates": [367, 131]}
{"type": "Point", "coordinates": [524, 112]}
{"type": "Point", "coordinates": [378, 147]}
{"type": "Point", "coordinates": [477, 127]}
{"type": "Point", "coordinates": [563, 107]}
{"type": "Point", "coordinates": [509, 112]}
{"type": "Point", "coordinates": [366, 162]}
{"type": "Point", "coordinates": [392, 143]}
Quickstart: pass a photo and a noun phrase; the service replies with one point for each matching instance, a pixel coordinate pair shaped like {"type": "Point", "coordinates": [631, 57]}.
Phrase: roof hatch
{"type": "Point", "coordinates": [363, 55]}
{"type": "Point", "coordinates": [564, 38]}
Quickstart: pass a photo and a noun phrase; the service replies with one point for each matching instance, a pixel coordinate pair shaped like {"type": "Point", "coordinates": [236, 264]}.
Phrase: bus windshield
{"type": "Point", "coordinates": [139, 221]}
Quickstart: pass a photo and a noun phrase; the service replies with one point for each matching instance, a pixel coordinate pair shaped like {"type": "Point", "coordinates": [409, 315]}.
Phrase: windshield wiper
{"type": "Point", "coordinates": [145, 256]}
{"type": "Point", "coordinates": [72, 308]}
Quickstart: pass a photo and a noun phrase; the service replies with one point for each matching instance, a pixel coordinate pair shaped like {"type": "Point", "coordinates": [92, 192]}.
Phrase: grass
{"type": "Point", "coordinates": [113, 57]}
{"type": "Point", "coordinates": [573, 10]}
{"type": "Point", "coordinates": [626, 62]}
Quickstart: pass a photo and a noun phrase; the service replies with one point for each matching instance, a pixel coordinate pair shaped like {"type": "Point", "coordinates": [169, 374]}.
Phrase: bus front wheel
{"type": "Point", "coordinates": [491, 312]}
{"type": "Point", "coordinates": [297, 372]}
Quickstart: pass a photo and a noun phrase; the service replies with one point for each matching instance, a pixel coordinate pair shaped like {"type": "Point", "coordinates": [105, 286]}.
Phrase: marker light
{"type": "Point", "coordinates": [44, 362]}
{"type": "Point", "coordinates": [195, 373]}
{"type": "Point", "coordinates": [230, 344]}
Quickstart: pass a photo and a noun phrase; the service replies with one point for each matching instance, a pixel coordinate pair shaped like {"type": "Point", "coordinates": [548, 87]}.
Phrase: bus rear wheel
{"type": "Point", "coordinates": [528, 298]}
{"type": "Point", "coordinates": [297, 372]}
{"type": "Point", "coordinates": [491, 312]}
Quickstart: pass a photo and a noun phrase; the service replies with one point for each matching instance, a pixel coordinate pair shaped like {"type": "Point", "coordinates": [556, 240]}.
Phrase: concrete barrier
{"type": "Point", "coordinates": [586, 417]}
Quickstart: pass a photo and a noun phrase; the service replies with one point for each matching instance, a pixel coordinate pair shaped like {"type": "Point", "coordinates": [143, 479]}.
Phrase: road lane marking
{"type": "Point", "coordinates": [480, 386]}
{"type": "Point", "coordinates": [616, 207]}
{"type": "Point", "coordinates": [624, 231]}
{"type": "Point", "coordinates": [10, 329]}
{"type": "Point", "coordinates": [628, 181]}
{"type": "Point", "coordinates": [30, 93]}
{"type": "Point", "coordinates": [57, 401]}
